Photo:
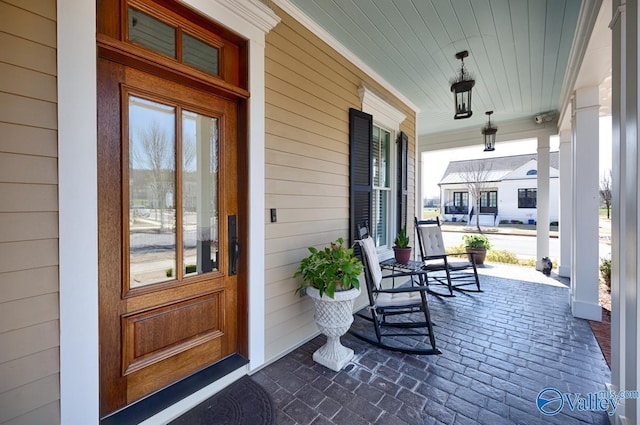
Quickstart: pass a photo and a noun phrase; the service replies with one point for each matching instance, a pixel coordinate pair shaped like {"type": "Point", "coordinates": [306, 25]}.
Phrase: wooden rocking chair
{"type": "Point", "coordinates": [457, 274]}
{"type": "Point", "coordinates": [397, 317]}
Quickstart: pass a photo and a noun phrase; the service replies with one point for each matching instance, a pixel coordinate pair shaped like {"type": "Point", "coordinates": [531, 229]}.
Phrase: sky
{"type": "Point", "coordinates": [435, 162]}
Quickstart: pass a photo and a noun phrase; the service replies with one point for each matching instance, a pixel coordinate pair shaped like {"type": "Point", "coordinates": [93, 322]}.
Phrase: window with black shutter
{"type": "Point", "coordinates": [360, 170]}
{"type": "Point", "coordinates": [403, 191]}
{"type": "Point", "coordinates": [372, 194]}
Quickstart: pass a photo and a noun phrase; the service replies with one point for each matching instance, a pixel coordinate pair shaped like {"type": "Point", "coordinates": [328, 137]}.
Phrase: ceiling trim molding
{"type": "Point", "coordinates": [316, 29]}
{"type": "Point", "coordinates": [383, 112]}
{"type": "Point", "coordinates": [587, 17]}
{"type": "Point", "coordinates": [507, 132]}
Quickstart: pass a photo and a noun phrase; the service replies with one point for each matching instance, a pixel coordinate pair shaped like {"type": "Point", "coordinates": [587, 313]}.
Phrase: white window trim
{"type": "Point", "coordinates": [385, 250]}
{"type": "Point", "coordinates": [387, 117]}
{"type": "Point", "coordinates": [384, 113]}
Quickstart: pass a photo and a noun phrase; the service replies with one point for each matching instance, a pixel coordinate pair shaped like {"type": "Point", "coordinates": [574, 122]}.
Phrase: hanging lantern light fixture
{"type": "Point", "coordinates": [461, 86]}
{"type": "Point", "coordinates": [489, 132]}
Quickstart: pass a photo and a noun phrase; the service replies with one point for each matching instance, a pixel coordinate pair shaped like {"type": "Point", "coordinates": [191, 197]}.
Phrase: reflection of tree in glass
{"type": "Point", "coordinates": [188, 153]}
{"type": "Point", "coordinates": [156, 153]}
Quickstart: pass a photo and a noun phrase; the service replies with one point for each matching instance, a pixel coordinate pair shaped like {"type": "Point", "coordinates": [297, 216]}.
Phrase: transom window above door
{"type": "Point", "coordinates": [172, 41]}
{"type": "Point", "coordinates": [177, 41]}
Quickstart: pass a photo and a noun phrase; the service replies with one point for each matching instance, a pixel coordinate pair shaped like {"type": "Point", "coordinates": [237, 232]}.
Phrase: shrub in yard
{"type": "Point", "coordinates": [502, 256]}
{"type": "Point", "coordinates": [605, 271]}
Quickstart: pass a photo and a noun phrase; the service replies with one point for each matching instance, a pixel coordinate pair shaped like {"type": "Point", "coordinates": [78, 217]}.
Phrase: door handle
{"type": "Point", "coordinates": [234, 246]}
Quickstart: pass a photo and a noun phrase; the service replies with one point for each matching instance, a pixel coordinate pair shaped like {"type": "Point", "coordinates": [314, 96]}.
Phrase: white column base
{"type": "Point", "coordinates": [564, 271]}
{"type": "Point", "coordinates": [585, 310]}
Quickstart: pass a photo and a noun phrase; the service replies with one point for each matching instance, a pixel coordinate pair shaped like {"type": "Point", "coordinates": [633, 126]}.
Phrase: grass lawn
{"type": "Point", "coordinates": [430, 213]}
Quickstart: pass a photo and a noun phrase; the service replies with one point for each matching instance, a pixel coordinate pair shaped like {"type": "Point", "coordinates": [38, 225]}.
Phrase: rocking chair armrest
{"type": "Point", "coordinates": [401, 289]}
{"type": "Point", "coordinates": [436, 257]}
{"type": "Point", "coordinates": [457, 253]}
{"type": "Point", "coordinates": [402, 274]}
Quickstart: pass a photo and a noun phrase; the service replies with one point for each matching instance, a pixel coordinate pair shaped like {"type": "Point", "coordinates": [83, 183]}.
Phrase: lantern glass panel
{"type": "Point", "coordinates": [463, 102]}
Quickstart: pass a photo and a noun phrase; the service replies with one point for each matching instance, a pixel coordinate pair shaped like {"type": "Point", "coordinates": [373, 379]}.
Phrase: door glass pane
{"type": "Point", "coordinates": [199, 54]}
{"type": "Point", "coordinates": [200, 192]}
{"type": "Point", "coordinates": [151, 33]}
{"type": "Point", "coordinates": [152, 233]}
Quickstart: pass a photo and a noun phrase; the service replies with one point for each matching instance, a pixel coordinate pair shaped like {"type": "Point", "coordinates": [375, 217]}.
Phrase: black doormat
{"type": "Point", "coordinates": [244, 402]}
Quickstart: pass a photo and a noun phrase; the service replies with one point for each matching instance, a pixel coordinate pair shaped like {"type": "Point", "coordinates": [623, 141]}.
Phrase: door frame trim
{"type": "Point", "coordinates": [78, 186]}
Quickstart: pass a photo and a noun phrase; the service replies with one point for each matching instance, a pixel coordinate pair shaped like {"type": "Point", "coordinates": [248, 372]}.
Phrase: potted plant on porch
{"type": "Point", "coordinates": [401, 248]}
{"type": "Point", "coordinates": [476, 246]}
{"type": "Point", "coordinates": [330, 277]}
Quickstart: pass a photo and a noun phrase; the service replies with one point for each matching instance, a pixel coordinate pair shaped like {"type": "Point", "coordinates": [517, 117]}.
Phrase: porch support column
{"type": "Point", "coordinates": [625, 219]}
{"type": "Point", "coordinates": [584, 249]}
{"type": "Point", "coordinates": [565, 204]}
{"type": "Point", "coordinates": [542, 201]}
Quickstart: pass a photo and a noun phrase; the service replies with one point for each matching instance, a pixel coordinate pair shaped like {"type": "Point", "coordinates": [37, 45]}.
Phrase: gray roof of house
{"type": "Point", "coordinates": [496, 168]}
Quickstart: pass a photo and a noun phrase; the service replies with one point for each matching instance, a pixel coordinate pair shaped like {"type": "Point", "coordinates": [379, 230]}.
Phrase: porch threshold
{"type": "Point", "coordinates": [171, 402]}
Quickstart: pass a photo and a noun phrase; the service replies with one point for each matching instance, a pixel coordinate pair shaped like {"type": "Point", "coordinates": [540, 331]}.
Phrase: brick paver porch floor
{"type": "Point", "coordinates": [500, 348]}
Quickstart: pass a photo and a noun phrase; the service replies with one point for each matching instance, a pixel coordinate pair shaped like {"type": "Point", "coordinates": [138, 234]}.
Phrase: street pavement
{"type": "Point", "coordinates": [521, 240]}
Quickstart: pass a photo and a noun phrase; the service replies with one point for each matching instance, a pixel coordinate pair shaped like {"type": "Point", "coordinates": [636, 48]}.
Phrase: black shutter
{"type": "Point", "coordinates": [360, 172]}
{"type": "Point", "coordinates": [403, 193]}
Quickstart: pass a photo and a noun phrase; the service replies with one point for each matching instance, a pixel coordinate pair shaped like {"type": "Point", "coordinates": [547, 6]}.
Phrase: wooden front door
{"type": "Point", "coordinates": [168, 228]}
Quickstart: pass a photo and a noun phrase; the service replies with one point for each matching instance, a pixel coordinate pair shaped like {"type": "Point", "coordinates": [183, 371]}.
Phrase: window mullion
{"type": "Point", "coordinates": [178, 198]}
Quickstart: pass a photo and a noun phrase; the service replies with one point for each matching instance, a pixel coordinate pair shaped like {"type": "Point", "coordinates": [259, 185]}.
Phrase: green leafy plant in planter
{"type": "Point", "coordinates": [476, 246]}
{"type": "Point", "coordinates": [476, 241]}
{"type": "Point", "coordinates": [331, 269]}
{"type": "Point", "coordinates": [401, 248]}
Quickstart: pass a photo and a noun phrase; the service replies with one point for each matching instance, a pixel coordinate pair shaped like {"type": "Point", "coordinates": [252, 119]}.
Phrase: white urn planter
{"type": "Point", "coordinates": [333, 317]}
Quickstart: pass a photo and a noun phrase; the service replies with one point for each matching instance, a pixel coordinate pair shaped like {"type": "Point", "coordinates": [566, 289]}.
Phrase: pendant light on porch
{"type": "Point", "coordinates": [461, 86]}
{"type": "Point", "coordinates": [489, 132]}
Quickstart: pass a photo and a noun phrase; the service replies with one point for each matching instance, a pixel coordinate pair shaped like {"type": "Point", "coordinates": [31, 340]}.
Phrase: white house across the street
{"type": "Point", "coordinates": [508, 187]}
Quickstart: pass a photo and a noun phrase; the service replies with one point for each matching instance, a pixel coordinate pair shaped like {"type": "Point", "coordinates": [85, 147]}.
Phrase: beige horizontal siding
{"type": "Point", "coordinates": [27, 226]}
{"type": "Point", "coordinates": [29, 309]}
{"type": "Point", "coordinates": [27, 54]}
{"type": "Point", "coordinates": [28, 83]}
{"type": "Point", "coordinates": [309, 90]}
{"type": "Point", "coordinates": [29, 397]}
{"type": "Point", "coordinates": [28, 169]}
{"type": "Point", "coordinates": [28, 140]}
{"type": "Point", "coordinates": [28, 283]}
{"type": "Point", "coordinates": [27, 111]}
{"type": "Point", "coordinates": [46, 9]}
{"type": "Point", "coordinates": [40, 416]}
{"type": "Point", "coordinates": [26, 312]}
{"type": "Point", "coordinates": [28, 25]}
{"type": "Point", "coordinates": [17, 197]}
{"type": "Point", "coordinates": [29, 369]}
{"type": "Point", "coordinates": [26, 341]}
{"type": "Point", "coordinates": [305, 146]}
{"type": "Point", "coordinates": [27, 255]}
